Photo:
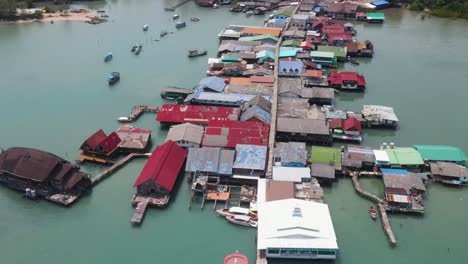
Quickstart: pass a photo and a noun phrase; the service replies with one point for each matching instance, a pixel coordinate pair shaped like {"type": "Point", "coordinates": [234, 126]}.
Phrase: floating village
{"type": "Point", "coordinates": [260, 134]}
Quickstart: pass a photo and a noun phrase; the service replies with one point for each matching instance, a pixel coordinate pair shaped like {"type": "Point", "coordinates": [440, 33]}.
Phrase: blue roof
{"type": "Point", "coordinates": [210, 159]}
{"type": "Point", "coordinates": [214, 83]}
{"type": "Point", "coordinates": [317, 9]}
{"type": "Point", "coordinates": [394, 171]}
{"type": "Point", "coordinates": [288, 65]}
{"type": "Point", "coordinates": [250, 157]}
{"type": "Point", "coordinates": [380, 3]}
{"type": "Point", "coordinates": [258, 112]}
{"type": "Point", "coordinates": [287, 53]}
{"type": "Point", "coordinates": [279, 20]}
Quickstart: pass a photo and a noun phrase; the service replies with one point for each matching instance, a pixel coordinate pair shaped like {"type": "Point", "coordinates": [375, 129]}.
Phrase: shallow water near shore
{"type": "Point", "coordinates": [53, 94]}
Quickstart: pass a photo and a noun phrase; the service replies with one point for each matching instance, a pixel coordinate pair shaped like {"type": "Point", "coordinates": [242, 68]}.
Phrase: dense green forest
{"type": "Point", "coordinates": [443, 8]}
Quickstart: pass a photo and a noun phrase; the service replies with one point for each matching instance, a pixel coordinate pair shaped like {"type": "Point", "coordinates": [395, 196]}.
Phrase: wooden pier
{"type": "Point", "coordinates": [140, 211]}
{"type": "Point", "coordinates": [116, 166]}
{"type": "Point", "coordinates": [381, 204]}
{"type": "Point", "coordinates": [172, 8]}
{"type": "Point", "coordinates": [386, 224]}
{"type": "Point", "coordinates": [137, 112]}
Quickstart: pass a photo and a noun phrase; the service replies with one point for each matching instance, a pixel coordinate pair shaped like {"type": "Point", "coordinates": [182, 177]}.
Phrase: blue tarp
{"type": "Point", "coordinates": [380, 3]}
{"type": "Point", "coordinates": [317, 9]}
{"type": "Point", "coordinates": [394, 171]}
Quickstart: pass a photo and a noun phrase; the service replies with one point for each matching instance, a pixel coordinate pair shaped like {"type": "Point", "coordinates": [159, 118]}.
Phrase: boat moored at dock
{"type": "Point", "coordinates": [234, 211]}
{"type": "Point", "coordinates": [175, 16]}
{"type": "Point", "coordinates": [181, 24]}
{"type": "Point", "coordinates": [196, 53]}
{"type": "Point", "coordinates": [174, 93]}
{"type": "Point", "coordinates": [145, 27]}
{"type": "Point", "coordinates": [108, 57]}
{"type": "Point", "coordinates": [243, 220]}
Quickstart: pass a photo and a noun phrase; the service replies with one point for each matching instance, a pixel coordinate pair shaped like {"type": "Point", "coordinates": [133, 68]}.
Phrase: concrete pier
{"type": "Point", "coordinates": [116, 166]}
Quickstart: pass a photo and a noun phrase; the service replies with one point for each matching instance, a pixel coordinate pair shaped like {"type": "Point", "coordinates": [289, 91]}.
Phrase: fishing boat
{"type": "Point", "coordinates": [175, 16]}
{"type": "Point", "coordinates": [372, 213]}
{"type": "Point", "coordinates": [354, 62]}
{"type": "Point", "coordinates": [249, 13]}
{"type": "Point", "coordinates": [113, 78]}
{"type": "Point", "coordinates": [138, 49]}
{"type": "Point", "coordinates": [123, 119]}
{"type": "Point", "coordinates": [234, 211]}
{"type": "Point", "coordinates": [180, 24]}
{"type": "Point", "coordinates": [108, 57]}
{"type": "Point", "coordinates": [163, 33]}
{"type": "Point", "coordinates": [194, 19]}
{"type": "Point", "coordinates": [145, 27]}
{"type": "Point", "coordinates": [196, 53]}
{"type": "Point", "coordinates": [243, 220]}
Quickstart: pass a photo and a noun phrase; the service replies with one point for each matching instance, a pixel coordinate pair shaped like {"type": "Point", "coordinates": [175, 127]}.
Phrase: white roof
{"type": "Point", "coordinates": [383, 112]}
{"type": "Point", "coordinates": [292, 174]}
{"type": "Point", "coordinates": [381, 156]}
{"type": "Point", "coordinates": [294, 223]}
{"type": "Point", "coordinates": [239, 210]}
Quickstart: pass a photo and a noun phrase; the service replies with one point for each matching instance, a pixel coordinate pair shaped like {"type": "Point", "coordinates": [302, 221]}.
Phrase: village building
{"type": "Point", "coordinates": [379, 116]}
{"type": "Point", "coordinates": [319, 95]}
{"type": "Point", "coordinates": [264, 80]}
{"type": "Point", "coordinates": [375, 17]}
{"type": "Point", "coordinates": [403, 190]}
{"type": "Point", "coordinates": [101, 144]}
{"type": "Point", "coordinates": [339, 52]}
{"type": "Point", "coordinates": [228, 134]}
{"type": "Point", "coordinates": [265, 56]}
{"type": "Point", "coordinates": [186, 135]}
{"type": "Point", "coordinates": [282, 13]}
{"type": "Point", "coordinates": [322, 172]}
{"type": "Point", "coordinates": [291, 43]}
{"type": "Point", "coordinates": [252, 89]}
{"type": "Point", "coordinates": [234, 69]}
{"type": "Point", "coordinates": [256, 110]}
{"type": "Point", "coordinates": [294, 34]}
{"type": "Point", "coordinates": [264, 39]}
{"type": "Point", "coordinates": [41, 174]}
{"type": "Point", "coordinates": [133, 139]}
{"type": "Point", "coordinates": [290, 87]}
{"type": "Point", "coordinates": [380, 4]}
{"type": "Point", "coordinates": [358, 157]}
{"type": "Point", "coordinates": [347, 81]}
{"type": "Point", "coordinates": [293, 228]}
{"type": "Point", "coordinates": [254, 31]}
{"type": "Point", "coordinates": [210, 161]}
{"type": "Point", "coordinates": [195, 114]}
{"type": "Point", "coordinates": [304, 130]}
{"type": "Point", "coordinates": [299, 21]}
{"type": "Point", "coordinates": [291, 68]}
{"type": "Point", "coordinates": [258, 72]}
{"type": "Point", "coordinates": [250, 160]}
{"type": "Point", "coordinates": [212, 84]}
{"type": "Point", "coordinates": [279, 190]}
{"type": "Point", "coordinates": [404, 158]}
{"type": "Point", "coordinates": [221, 99]}
{"type": "Point", "coordinates": [348, 130]}
{"type": "Point", "coordinates": [327, 59]}
{"type": "Point", "coordinates": [449, 173]}
{"type": "Point", "coordinates": [291, 174]}
{"type": "Point", "coordinates": [290, 154]}
{"type": "Point", "coordinates": [441, 153]}
{"type": "Point", "coordinates": [342, 10]}
{"type": "Point", "coordinates": [160, 173]}
{"type": "Point", "coordinates": [339, 39]}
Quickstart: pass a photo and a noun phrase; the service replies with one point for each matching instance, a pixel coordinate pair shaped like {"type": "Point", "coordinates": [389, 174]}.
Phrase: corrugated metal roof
{"type": "Point", "coordinates": [404, 156]}
{"type": "Point", "coordinates": [218, 98]}
{"type": "Point", "coordinates": [291, 174]}
{"type": "Point", "coordinates": [322, 54]}
{"type": "Point", "coordinates": [287, 53]}
{"type": "Point", "coordinates": [230, 133]}
{"type": "Point", "coordinates": [378, 16]}
{"type": "Point", "coordinates": [441, 153]}
{"type": "Point", "coordinates": [196, 114]}
{"type": "Point", "coordinates": [186, 132]}
{"type": "Point", "coordinates": [163, 166]}
{"type": "Point", "coordinates": [250, 157]}
{"type": "Point", "coordinates": [213, 83]}
{"type": "Point", "coordinates": [204, 159]}
{"type": "Point", "coordinates": [337, 50]}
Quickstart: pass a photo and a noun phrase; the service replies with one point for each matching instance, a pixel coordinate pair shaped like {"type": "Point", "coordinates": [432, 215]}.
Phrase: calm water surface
{"type": "Point", "coordinates": [54, 94]}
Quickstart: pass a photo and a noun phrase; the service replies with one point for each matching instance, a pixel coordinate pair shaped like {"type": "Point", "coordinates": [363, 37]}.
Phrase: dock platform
{"type": "Point", "coordinates": [137, 111]}
{"type": "Point", "coordinates": [140, 211]}
{"type": "Point", "coordinates": [386, 224]}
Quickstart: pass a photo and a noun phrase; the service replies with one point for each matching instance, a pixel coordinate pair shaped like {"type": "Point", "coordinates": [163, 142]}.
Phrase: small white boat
{"type": "Point", "coordinates": [243, 220]}
{"type": "Point", "coordinates": [175, 16]}
{"type": "Point", "coordinates": [233, 211]}
{"type": "Point", "coordinates": [215, 6]}
{"type": "Point", "coordinates": [145, 27]}
{"type": "Point", "coordinates": [123, 119]}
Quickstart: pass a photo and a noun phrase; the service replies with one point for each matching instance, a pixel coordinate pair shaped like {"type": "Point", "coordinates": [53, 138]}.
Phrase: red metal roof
{"type": "Point", "coordinates": [94, 140]}
{"type": "Point", "coordinates": [332, 30]}
{"type": "Point", "coordinates": [346, 37]}
{"type": "Point", "coordinates": [163, 166]}
{"type": "Point", "coordinates": [306, 45]}
{"type": "Point", "coordinates": [352, 124]}
{"type": "Point", "coordinates": [195, 114]}
{"type": "Point", "coordinates": [313, 73]}
{"type": "Point", "coordinates": [337, 78]}
{"type": "Point", "coordinates": [110, 142]}
{"type": "Point", "coordinates": [236, 258]}
{"type": "Point", "coordinates": [228, 134]}
{"type": "Point", "coordinates": [334, 123]}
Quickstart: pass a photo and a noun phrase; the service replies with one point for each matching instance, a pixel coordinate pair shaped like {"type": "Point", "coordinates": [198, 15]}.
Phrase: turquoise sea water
{"type": "Point", "coordinates": [53, 94]}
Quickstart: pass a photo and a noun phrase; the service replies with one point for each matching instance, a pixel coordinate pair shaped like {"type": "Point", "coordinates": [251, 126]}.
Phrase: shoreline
{"type": "Point", "coordinates": [56, 17]}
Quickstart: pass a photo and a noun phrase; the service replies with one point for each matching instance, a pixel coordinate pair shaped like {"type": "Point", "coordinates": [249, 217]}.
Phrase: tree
{"type": "Point", "coordinates": [7, 8]}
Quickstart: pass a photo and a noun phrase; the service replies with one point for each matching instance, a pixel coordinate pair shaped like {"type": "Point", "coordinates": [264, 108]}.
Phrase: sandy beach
{"type": "Point", "coordinates": [56, 17]}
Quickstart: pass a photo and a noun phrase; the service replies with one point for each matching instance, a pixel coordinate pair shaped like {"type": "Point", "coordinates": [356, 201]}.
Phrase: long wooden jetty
{"type": "Point", "coordinates": [381, 204]}
{"type": "Point", "coordinates": [140, 210]}
{"type": "Point", "coordinates": [116, 166]}
{"type": "Point", "coordinates": [386, 223]}
{"type": "Point", "coordinates": [137, 111]}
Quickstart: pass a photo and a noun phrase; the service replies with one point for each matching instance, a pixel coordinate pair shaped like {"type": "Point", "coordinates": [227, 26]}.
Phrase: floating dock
{"type": "Point", "coordinates": [140, 210]}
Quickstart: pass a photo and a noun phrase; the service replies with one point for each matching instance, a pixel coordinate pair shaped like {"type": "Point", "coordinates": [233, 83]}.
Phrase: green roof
{"type": "Point", "coordinates": [291, 43]}
{"type": "Point", "coordinates": [325, 155]}
{"type": "Point", "coordinates": [230, 59]}
{"type": "Point", "coordinates": [322, 54]}
{"type": "Point", "coordinates": [380, 16]}
{"type": "Point", "coordinates": [259, 38]}
{"type": "Point", "coordinates": [404, 156]}
{"type": "Point", "coordinates": [339, 51]}
{"type": "Point", "coordinates": [287, 53]}
{"type": "Point", "coordinates": [441, 153]}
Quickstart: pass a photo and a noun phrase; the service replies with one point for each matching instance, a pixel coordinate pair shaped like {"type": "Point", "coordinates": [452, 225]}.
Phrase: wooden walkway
{"type": "Point", "coordinates": [172, 8]}
{"type": "Point", "coordinates": [137, 112]}
{"type": "Point", "coordinates": [386, 224]}
{"type": "Point", "coordinates": [116, 166]}
{"type": "Point", "coordinates": [381, 204]}
{"type": "Point", "coordinates": [140, 212]}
